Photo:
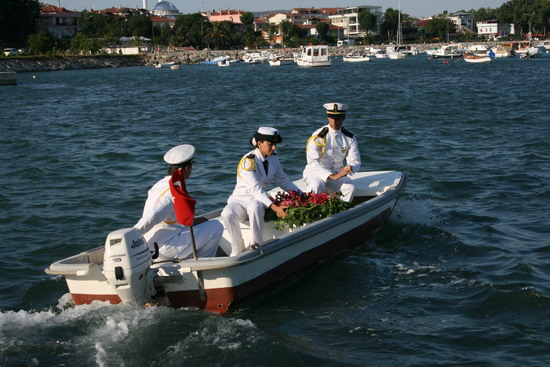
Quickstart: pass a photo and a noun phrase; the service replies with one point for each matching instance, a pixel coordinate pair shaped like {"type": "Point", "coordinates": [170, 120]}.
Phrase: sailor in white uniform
{"type": "Point", "coordinates": [158, 223]}
{"type": "Point", "coordinates": [326, 151]}
{"type": "Point", "coordinates": [249, 200]}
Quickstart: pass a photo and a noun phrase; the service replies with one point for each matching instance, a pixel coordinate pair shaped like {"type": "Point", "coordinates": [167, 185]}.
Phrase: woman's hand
{"type": "Point", "coordinates": [279, 210]}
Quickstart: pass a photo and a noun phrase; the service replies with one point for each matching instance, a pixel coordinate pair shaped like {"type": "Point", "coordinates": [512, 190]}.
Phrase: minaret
{"type": "Point", "coordinates": [144, 4]}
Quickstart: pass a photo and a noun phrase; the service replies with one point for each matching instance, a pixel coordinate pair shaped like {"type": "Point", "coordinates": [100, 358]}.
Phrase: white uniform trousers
{"type": "Point", "coordinates": [236, 212]}
{"type": "Point", "coordinates": [343, 184]}
{"type": "Point", "coordinates": [207, 238]}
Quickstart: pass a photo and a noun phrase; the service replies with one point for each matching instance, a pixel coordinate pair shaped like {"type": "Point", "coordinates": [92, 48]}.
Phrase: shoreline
{"type": "Point", "coordinates": [56, 63]}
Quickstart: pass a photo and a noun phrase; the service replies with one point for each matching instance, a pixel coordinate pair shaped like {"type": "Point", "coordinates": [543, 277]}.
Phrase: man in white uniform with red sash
{"type": "Point", "coordinates": [169, 213]}
{"type": "Point", "coordinates": [249, 200]}
{"type": "Point", "coordinates": [326, 151]}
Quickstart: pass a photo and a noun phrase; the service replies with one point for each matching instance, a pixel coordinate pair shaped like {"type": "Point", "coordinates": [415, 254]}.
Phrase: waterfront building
{"type": "Point", "coordinates": [348, 20]}
{"type": "Point", "coordinates": [464, 22]}
{"type": "Point", "coordinates": [59, 22]}
{"type": "Point", "coordinates": [233, 16]}
{"type": "Point", "coordinates": [492, 29]}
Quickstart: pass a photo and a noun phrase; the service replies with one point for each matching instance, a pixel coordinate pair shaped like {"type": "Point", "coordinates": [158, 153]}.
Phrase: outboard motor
{"type": "Point", "coordinates": [126, 263]}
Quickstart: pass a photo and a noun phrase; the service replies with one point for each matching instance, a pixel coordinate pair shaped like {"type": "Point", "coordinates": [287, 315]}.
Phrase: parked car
{"type": "Point", "coordinates": [10, 51]}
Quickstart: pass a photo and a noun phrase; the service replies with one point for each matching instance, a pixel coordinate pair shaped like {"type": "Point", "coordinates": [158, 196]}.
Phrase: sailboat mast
{"type": "Point", "coordinates": [399, 23]}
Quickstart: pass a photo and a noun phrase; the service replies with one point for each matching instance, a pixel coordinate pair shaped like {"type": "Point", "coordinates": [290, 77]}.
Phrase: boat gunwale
{"type": "Point", "coordinates": [295, 236]}
{"type": "Point", "coordinates": [67, 268]}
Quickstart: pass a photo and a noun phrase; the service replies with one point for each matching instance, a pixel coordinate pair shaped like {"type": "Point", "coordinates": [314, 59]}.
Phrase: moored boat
{"type": "Point", "coordinates": [356, 57]}
{"type": "Point", "coordinates": [279, 61]}
{"type": "Point", "coordinates": [160, 65]}
{"type": "Point", "coordinates": [313, 56]}
{"type": "Point", "coordinates": [447, 52]}
{"type": "Point", "coordinates": [471, 58]}
{"type": "Point", "coordinates": [124, 271]}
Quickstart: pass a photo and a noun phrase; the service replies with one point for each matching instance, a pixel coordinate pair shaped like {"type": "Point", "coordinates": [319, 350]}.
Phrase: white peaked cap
{"type": "Point", "coordinates": [179, 154]}
{"type": "Point", "coordinates": [267, 131]}
{"type": "Point", "coordinates": [336, 107]}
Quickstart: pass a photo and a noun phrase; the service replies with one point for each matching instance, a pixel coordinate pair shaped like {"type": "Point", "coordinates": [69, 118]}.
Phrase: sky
{"type": "Point", "coordinates": [416, 8]}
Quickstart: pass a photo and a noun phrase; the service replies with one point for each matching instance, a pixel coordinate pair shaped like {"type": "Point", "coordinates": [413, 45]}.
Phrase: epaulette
{"type": "Point", "coordinates": [323, 132]}
{"type": "Point", "coordinates": [347, 133]}
{"type": "Point", "coordinates": [251, 155]}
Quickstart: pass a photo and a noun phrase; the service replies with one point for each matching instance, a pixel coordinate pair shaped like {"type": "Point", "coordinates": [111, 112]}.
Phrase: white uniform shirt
{"type": "Point", "coordinates": [252, 180]}
{"type": "Point", "coordinates": [326, 156]}
{"type": "Point", "coordinates": [158, 222]}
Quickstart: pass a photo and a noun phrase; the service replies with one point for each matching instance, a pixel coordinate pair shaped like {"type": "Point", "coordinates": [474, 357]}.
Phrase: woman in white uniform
{"type": "Point", "coordinates": [326, 151]}
{"type": "Point", "coordinates": [158, 223]}
{"type": "Point", "coordinates": [249, 200]}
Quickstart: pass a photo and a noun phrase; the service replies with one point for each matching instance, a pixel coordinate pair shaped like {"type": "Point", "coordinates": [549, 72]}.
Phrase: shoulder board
{"type": "Point", "coordinates": [347, 133]}
{"type": "Point", "coordinates": [323, 132]}
{"type": "Point", "coordinates": [251, 155]}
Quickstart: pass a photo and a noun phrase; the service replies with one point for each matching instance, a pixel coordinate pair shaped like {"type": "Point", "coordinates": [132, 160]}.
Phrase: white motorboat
{"type": "Point", "coordinates": [356, 57]}
{"type": "Point", "coordinates": [447, 52]}
{"type": "Point", "coordinates": [379, 53]}
{"type": "Point", "coordinates": [175, 66]}
{"type": "Point", "coordinates": [255, 57]}
{"type": "Point", "coordinates": [313, 56]}
{"type": "Point", "coordinates": [477, 50]}
{"type": "Point", "coordinates": [123, 270]}
{"type": "Point", "coordinates": [393, 53]}
{"type": "Point", "coordinates": [529, 52]}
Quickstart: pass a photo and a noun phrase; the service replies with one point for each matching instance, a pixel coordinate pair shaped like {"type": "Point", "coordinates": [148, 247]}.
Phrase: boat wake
{"type": "Point", "coordinates": [101, 335]}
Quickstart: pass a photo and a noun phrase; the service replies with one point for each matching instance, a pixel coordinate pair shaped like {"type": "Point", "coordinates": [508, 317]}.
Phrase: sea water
{"type": "Point", "coordinates": [459, 276]}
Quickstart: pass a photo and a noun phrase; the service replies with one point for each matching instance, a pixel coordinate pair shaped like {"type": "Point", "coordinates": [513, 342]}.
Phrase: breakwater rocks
{"type": "Point", "coordinates": [53, 63]}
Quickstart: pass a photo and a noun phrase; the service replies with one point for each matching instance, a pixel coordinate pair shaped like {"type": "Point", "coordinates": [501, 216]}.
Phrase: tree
{"type": "Point", "coordinates": [41, 43]}
{"type": "Point", "coordinates": [525, 13]}
{"type": "Point", "coordinates": [367, 21]}
{"type": "Point", "coordinates": [190, 29]}
{"type": "Point", "coordinates": [247, 19]}
{"type": "Point", "coordinates": [93, 24]}
{"type": "Point", "coordinates": [140, 25]}
{"type": "Point", "coordinates": [389, 26]}
{"type": "Point", "coordinates": [322, 29]}
{"type": "Point", "coordinates": [439, 27]}
{"type": "Point", "coordinates": [292, 34]}
{"type": "Point", "coordinates": [217, 35]}
{"type": "Point", "coordinates": [18, 20]}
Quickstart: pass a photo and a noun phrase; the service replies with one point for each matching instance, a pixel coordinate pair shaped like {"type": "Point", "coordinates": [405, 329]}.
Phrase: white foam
{"type": "Point", "coordinates": [421, 211]}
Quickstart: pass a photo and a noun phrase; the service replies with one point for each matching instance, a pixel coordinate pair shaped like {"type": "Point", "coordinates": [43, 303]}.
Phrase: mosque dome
{"type": "Point", "coordinates": [165, 9]}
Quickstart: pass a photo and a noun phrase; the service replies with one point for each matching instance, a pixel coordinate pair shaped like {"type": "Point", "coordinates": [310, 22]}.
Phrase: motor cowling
{"type": "Point", "coordinates": [126, 265]}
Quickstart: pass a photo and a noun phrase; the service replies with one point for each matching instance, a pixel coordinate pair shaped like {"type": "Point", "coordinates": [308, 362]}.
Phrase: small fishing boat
{"type": "Point", "coordinates": [159, 65]}
{"type": "Point", "coordinates": [356, 57]}
{"type": "Point", "coordinates": [124, 271]}
{"type": "Point", "coordinates": [475, 59]}
{"type": "Point", "coordinates": [279, 61]}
